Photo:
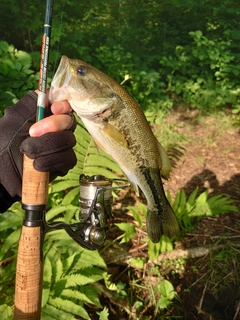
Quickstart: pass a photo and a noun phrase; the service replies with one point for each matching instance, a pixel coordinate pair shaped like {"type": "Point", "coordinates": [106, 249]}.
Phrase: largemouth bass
{"type": "Point", "coordinates": [118, 126]}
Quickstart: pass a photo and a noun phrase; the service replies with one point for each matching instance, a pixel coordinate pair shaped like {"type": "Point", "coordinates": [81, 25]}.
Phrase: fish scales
{"type": "Point", "coordinates": [118, 126]}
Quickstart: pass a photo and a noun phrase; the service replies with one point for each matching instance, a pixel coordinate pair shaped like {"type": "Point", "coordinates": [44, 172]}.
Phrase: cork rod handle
{"type": "Point", "coordinates": [28, 287]}
{"type": "Point", "coordinates": [29, 272]}
{"type": "Point", "coordinates": [35, 184]}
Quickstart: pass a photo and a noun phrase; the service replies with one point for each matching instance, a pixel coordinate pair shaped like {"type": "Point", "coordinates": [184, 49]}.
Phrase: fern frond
{"type": "Point", "coordinates": [69, 308]}
{"type": "Point", "coordinates": [10, 242]}
{"type": "Point", "coordinates": [47, 271]}
{"type": "Point", "coordinates": [75, 295]}
{"type": "Point", "coordinates": [79, 279]}
{"type": "Point", "coordinates": [71, 197]}
{"type": "Point", "coordinates": [51, 312]}
{"type": "Point", "coordinates": [103, 315]}
{"type": "Point", "coordinates": [45, 295]}
{"type": "Point", "coordinates": [90, 257]}
{"type": "Point", "coordinates": [11, 218]}
{"type": "Point", "coordinates": [90, 162]}
{"type": "Point", "coordinates": [54, 212]}
{"type": "Point", "coordinates": [187, 209]}
{"type": "Point", "coordinates": [221, 204]}
{"type": "Point", "coordinates": [92, 293]}
{"type": "Point", "coordinates": [64, 184]}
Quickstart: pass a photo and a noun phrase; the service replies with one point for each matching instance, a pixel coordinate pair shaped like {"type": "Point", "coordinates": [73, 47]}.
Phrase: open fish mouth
{"type": "Point", "coordinates": [60, 82]}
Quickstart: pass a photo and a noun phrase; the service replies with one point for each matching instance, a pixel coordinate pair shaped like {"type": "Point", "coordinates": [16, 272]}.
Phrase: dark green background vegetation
{"type": "Point", "coordinates": [172, 50]}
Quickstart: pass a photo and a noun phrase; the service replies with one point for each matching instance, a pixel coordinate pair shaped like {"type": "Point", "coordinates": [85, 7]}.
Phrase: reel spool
{"type": "Point", "coordinates": [95, 214]}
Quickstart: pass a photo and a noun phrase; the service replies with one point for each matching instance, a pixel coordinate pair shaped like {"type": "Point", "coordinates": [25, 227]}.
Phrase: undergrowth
{"type": "Point", "coordinates": [151, 284]}
{"type": "Point", "coordinates": [69, 270]}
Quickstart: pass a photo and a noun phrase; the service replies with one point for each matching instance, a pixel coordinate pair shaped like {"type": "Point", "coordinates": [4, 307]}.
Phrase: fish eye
{"type": "Point", "coordinates": [81, 70]}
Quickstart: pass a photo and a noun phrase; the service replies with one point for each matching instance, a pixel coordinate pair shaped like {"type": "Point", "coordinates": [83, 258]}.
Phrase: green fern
{"type": "Point", "coordinates": [69, 269]}
{"type": "Point", "coordinates": [66, 272]}
{"type": "Point", "coordinates": [199, 206]}
{"type": "Point", "coordinates": [103, 315]}
{"type": "Point", "coordinates": [185, 210]}
{"type": "Point", "coordinates": [90, 161]}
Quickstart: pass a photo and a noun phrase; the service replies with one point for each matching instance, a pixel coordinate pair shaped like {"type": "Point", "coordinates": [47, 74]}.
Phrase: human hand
{"type": "Point", "coordinates": [59, 121]}
{"type": "Point", "coordinates": [50, 143]}
{"type": "Point", "coordinates": [51, 140]}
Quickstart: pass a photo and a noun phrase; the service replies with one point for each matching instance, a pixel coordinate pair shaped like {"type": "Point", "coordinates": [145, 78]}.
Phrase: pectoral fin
{"type": "Point", "coordinates": [98, 146]}
{"type": "Point", "coordinates": [133, 180]}
{"type": "Point", "coordinates": [165, 162]}
{"type": "Point", "coordinates": [136, 189]}
{"type": "Point", "coordinates": [116, 135]}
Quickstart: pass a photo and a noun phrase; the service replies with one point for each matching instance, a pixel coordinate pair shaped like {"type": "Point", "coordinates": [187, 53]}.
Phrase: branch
{"type": "Point", "coordinates": [124, 257]}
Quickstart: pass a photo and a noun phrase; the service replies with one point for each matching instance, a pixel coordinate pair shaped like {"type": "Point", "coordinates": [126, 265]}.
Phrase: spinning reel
{"type": "Point", "coordinates": [95, 213]}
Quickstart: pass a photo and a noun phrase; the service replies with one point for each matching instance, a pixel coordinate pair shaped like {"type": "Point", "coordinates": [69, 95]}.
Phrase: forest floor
{"type": "Point", "coordinates": [207, 286]}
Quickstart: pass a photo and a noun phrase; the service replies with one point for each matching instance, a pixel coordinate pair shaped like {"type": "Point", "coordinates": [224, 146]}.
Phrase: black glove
{"type": "Point", "coordinates": [52, 151]}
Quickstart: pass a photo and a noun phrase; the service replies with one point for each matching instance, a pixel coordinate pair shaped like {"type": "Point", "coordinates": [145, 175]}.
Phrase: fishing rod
{"type": "Point", "coordinates": [29, 270]}
{"type": "Point", "coordinates": [95, 202]}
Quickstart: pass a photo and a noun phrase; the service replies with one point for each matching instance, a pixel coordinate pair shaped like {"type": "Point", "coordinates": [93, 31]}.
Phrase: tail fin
{"type": "Point", "coordinates": [159, 224]}
{"type": "Point", "coordinates": [154, 226]}
{"type": "Point", "coordinates": [169, 223]}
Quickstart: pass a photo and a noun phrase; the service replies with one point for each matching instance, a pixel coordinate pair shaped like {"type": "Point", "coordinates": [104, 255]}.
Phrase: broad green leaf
{"type": "Point", "coordinates": [165, 244]}
{"type": "Point", "coordinates": [192, 197]}
{"type": "Point", "coordinates": [153, 250]}
{"type": "Point", "coordinates": [23, 57]}
{"type": "Point", "coordinates": [136, 214]}
{"type": "Point", "coordinates": [6, 312]}
{"type": "Point", "coordinates": [137, 262]}
{"type": "Point", "coordinates": [166, 289]}
{"type": "Point", "coordinates": [163, 303]}
{"type": "Point", "coordinates": [129, 231]}
{"type": "Point", "coordinates": [12, 218]}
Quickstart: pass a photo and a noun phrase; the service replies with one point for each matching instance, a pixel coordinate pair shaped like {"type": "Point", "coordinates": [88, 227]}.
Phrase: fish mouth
{"type": "Point", "coordinates": [60, 81]}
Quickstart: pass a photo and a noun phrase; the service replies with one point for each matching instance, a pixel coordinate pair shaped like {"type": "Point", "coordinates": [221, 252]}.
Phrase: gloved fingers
{"type": "Point", "coordinates": [53, 123]}
{"type": "Point", "coordinates": [48, 144]}
{"type": "Point", "coordinates": [59, 163]}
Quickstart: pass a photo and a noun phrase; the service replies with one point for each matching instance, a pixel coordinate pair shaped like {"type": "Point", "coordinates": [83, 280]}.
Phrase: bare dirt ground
{"type": "Point", "coordinates": [208, 286]}
{"type": "Point", "coordinates": [211, 160]}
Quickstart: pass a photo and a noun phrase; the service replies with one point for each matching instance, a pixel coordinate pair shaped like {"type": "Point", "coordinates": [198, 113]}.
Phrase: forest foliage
{"type": "Point", "coordinates": [170, 51]}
